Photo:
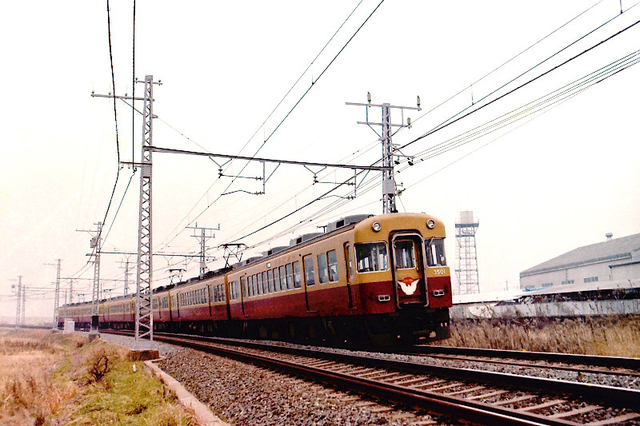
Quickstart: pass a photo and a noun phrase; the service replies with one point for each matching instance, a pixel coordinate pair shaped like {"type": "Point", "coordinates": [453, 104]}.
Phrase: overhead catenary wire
{"type": "Point", "coordinates": [537, 104]}
{"type": "Point", "coordinates": [512, 91]}
{"type": "Point", "coordinates": [296, 104]}
{"type": "Point", "coordinates": [549, 101]}
{"type": "Point", "coordinates": [320, 210]}
{"type": "Point", "coordinates": [521, 86]}
{"type": "Point", "coordinates": [514, 58]}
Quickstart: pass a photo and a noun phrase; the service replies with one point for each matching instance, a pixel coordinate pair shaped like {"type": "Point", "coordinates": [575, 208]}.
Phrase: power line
{"type": "Point", "coordinates": [288, 113]}
{"type": "Point", "coordinates": [447, 124]}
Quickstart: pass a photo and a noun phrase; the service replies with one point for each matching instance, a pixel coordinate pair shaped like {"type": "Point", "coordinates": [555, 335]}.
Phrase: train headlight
{"type": "Point", "coordinates": [431, 224]}
{"type": "Point", "coordinates": [376, 227]}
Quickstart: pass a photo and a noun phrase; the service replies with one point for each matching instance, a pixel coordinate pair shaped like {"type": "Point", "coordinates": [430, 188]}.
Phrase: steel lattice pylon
{"type": "Point", "coordinates": [467, 270]}
{"type": "Point", "coordinates": [144, 312]}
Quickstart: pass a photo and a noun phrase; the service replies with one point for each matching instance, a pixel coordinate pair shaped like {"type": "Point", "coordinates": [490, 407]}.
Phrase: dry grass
{"type": "Point", "coordinates": [56, 379]}
{"type": "Point", "coordinates": [29, 390]}
{"type": "Point", "coordinates": [611, 336]}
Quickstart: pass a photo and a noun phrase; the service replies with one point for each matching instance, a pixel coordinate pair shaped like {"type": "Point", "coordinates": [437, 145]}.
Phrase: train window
{"type": "Point", "coordinates": [270, 280]}
{"type": "Point", "coordinates": [253, 285]}
{"type": "Point", "coordinates": [308, 270]}
{"type": "Point", "coordinates": [297, 276]}
{"type": "Point", "coordinates": [372, 257]}
{"type": "Point", "coordinates": [405, 254]}
{"type": "Point", "coordinates": [259, 283]}
{"type": "Point", "coordinates": [289, 269]}
{"type": "Point", "coordinates": [264, 282]}
{"type": "Point", "coordinates": [243, 286]}
{"type": "Point", "coordinates": [332, 257]}
{"type": "Point", "coordinates": [349, 260]}
{"type": "Point", "coordinates": [283, 278]}
{"type": "Point", "coordinates": [276, 279]}
{"type": "Point", "coordinates": [435, 252]}
{"type": "Point", "coordinates": [323, 275]}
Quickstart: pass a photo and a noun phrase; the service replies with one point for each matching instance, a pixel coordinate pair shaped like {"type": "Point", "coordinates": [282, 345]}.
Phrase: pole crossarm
{"type": "Point", "coordinates": [266, 160]}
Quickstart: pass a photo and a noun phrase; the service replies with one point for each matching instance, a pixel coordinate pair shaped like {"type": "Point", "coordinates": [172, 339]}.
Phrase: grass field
{"type": "Point", "coordinates": [610, 336]}
{"type": "Point", "coordinates": [49, 378]}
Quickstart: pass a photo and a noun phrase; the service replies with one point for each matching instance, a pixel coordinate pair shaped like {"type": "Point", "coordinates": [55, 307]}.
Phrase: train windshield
{"type": "Point", "coordinates": [405, 254]}
{"type": "Point", "coordinates": [371, 257]}
{"type": "Point", "coordinates": [434, 248]}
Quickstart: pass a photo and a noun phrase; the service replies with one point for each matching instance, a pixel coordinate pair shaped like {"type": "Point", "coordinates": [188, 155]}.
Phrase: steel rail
{"type": "Point", "coordinates": [574, 359]}
{"type": "Point", "coordinates": [473, 411]}
{"type": "Point", "coordinates": [446, 405]}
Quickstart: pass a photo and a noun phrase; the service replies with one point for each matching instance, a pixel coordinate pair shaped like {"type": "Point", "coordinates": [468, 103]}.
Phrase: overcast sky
{"type": "Point", "coordinates": [542, 183]}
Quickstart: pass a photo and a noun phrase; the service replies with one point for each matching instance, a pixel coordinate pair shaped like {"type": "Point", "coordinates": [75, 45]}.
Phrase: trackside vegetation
{"type": "Point", "coordinates": [50, 378]}
{"type": "Point", "coordinates": [606, 335]}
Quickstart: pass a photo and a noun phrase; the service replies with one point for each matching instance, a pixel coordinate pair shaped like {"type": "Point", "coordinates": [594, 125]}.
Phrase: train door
{"type": "Point", "coordinates": [243, 293]}
{"type": "Point", "coordinates": [309, 282]}
{"type": "Point", "coordinates": [408, 270]}
{"type": "Point", "coordinates": [348, 257]}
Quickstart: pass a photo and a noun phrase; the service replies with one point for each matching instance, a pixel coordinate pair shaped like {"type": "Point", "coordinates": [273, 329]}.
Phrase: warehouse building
{"type": "Point", "coordinates": [615, 259]}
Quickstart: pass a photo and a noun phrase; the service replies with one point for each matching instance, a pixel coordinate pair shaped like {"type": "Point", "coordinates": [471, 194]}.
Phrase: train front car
{"type": "Point", "coordinates": [400, 277]}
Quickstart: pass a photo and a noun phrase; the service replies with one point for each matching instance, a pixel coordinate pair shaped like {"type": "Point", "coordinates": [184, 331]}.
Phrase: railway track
{"type": "Point", "coordinates": [480, 397]}
{"type": "Point", "coordinates": [540, 360]}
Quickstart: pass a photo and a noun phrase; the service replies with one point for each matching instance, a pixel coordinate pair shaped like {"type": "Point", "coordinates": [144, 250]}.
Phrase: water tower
{"type": "Point", "coordinates": [467, 267]}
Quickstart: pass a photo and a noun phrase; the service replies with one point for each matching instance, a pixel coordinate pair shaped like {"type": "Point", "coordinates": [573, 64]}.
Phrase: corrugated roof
{"type": "Point", "coordinates": [611, 250]}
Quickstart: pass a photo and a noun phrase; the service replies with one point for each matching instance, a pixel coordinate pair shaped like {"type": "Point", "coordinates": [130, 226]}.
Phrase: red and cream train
{"type": "Point", "coordinates": [378, 279]}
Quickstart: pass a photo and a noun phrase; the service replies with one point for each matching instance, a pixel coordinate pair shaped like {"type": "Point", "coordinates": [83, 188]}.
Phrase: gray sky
{"type": "Point", "coordinates": [556, 179]}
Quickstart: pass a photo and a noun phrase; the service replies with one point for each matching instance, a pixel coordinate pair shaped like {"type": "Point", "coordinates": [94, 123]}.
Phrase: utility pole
{"type": "Point", "coordinates": [22, 305]}
{"type": "Point", "coordinates": [19, 297]}
{"type": "Point", "coordinates": [203, 237]}
{"type": "Point", "coordinates": [70, 291]}
{"type": "Point", "coordinates": [96, 245]}
{"type": "Point", "coordinates": [389, 188]}
{"type": "Point", "coordinates": [56, 299]}
{"type": "Point", "coordinates": [126, 275]}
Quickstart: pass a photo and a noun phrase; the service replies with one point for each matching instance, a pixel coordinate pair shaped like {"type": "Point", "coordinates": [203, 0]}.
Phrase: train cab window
{"type": "Point", "coordinates": [372, 257]}
{"type": "Point", "coordinates": [434, 248]}
{"type": "Point", "coordinates": [309, 273]}
{"type": "Point", "coordinates": [332, 258]}
{"type": "Point", "coordinates": [405, 254]}
{"type": "Point", "coordinates": [323, 275]}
